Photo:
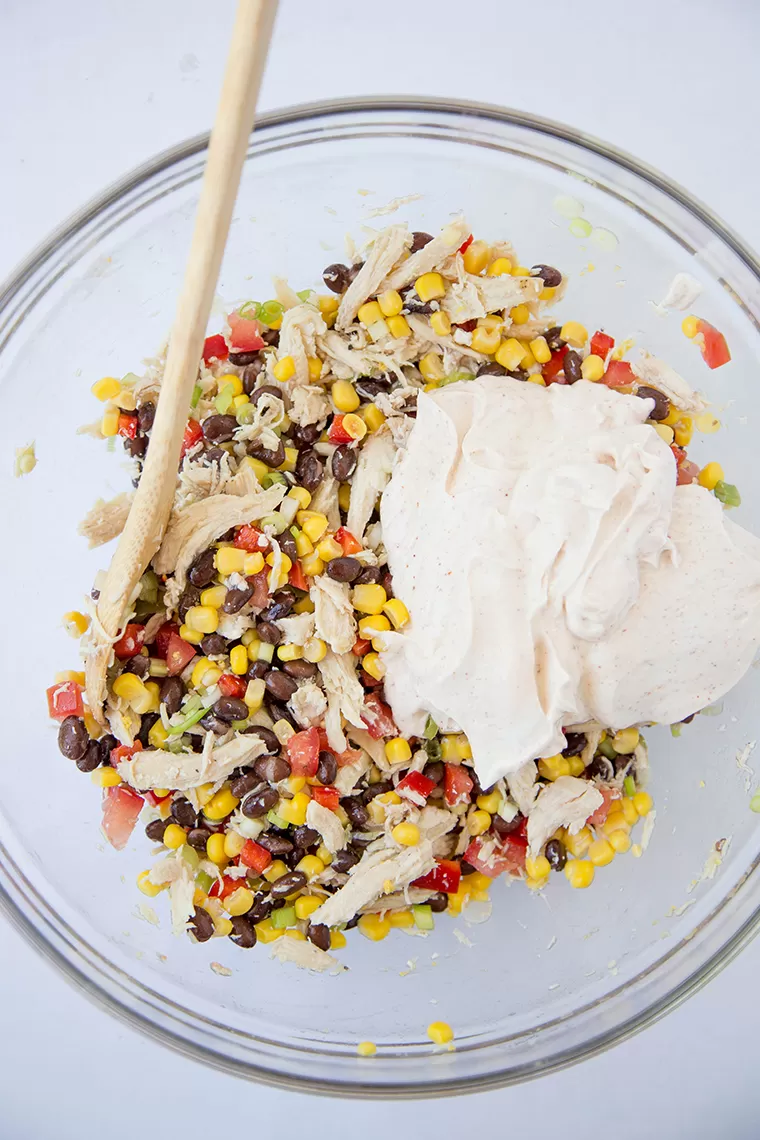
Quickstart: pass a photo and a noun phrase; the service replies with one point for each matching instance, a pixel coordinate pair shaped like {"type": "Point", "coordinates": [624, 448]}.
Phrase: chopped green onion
{"type": "Point", "coordinates": [275, 519]}
{"type": "Point", "coordinates": [129, 379]}
{"type": "Point", "coordinates": [190, 720]}
{"type": "Point", "coordinates": [629, 786]}
{"type": "Point", "coordinates": [607, 750]}
{"type": "Point", "coordinates": [195, 396]}
{"type": "Point", "coordinates": [223, 401]}
{"type": "Point", "coordinates": [304, 294]}
{"type": "Point", "coordinates": [178, 746]}
{"type": "Point", "coordinates": [204, 881]}
{"type": "Point", "coordinates": [268, 481]}
{"type": "Point", "coordinates": [277, 820]}
{"type": "Point", "coordinates": [675, 729]}
{"type": "Point", "coordinates": [455, 377]}
{"type": "Point", "coordinates": [239, 725]}
{"type": "Point", "coordinates": [250, 311]}
{"type": "Point", "coordinates": [712, 710]}
{"type": "Point", "coordinates": [433, 749]}
{"type": "Point", "coordinates": [423, 917]}
{"type": "Point", "coordinates": [190, 855]}
{"type": "Point", "coordinates": [270, 312]}
{"type": "Point", "coordinates": [754, 803]}
{"type": "Point", "coordinates": [245, 414]}
{"type": "Point", "coordinates": [295, 531]}
{"type": "Point", "coordinates": [727, 494]}
{"type": "Point", "coordinates": [149, 587]}
{"type": "Point", "coordinates": [431, 729]}
{"type": "Point", "coordinates": [284, 916]}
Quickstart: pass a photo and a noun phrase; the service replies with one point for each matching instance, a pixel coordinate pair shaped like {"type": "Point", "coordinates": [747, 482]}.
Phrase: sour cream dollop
{"type": "Point", "coordinates": [554, 572]}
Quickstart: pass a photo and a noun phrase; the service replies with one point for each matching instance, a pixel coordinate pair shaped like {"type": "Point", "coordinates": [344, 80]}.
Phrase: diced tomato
{"type": "Point", "coordinates": [712, 345]}
{"type": "Point", "coordinates": [162, 637]}
{"type": "Point", "coordinates": [215, 348]}
{"type": "Point", "coordinates": [417, 784]}
{"type": "Point", "coordinates": [244, 333]}
{"type": "Point", "coordinates": [688, 472]}
{"type": "Point", "coordinates": [260, 582]}
{"type": "Point", "coordinates": [193, 433]}
{"type": "Point", "coordinates": [124, 752]}
{"type": "Point", "coordinates": [324, 743]}
{"type": "Point", "coordinates": [601, 344]}
{"type": "Point", "coordinates": [297, 578]}
{"type": "Point", "coordinates": [597, 818]}
{"type": "Point", "coordinates": [327, 797]}
{"type": "Point", "coordinates": [679, 454]}
{"type": "Point", "coordinates": [179, 653]}
{"type": "Point", "coordinates": [131, 641]}
{"type": "Point", "coordinates": [350, 544]}
{"type": "Point", "coordinates": [349, 756]}
{"type": "Point", "coordinates": [465, 244]}
{"type": "Point", "coordinates": [255, 856]}
{"type": "Point", "coordinates": [336, 432]}
{"type": "Point", "coordinates": [303, 752]}
{"type": "Point", "coordinates": [508, 855]}
{"type": "Point", "coordinates": [232, 686]}
{"type": "Point", "coordinates": [553, 367]}
{"type": "Point", "coordinates": [65, 700]}
{"type": "Point", "coordinates": [127, 426]}
{"type": "Point", "coordinates": [154, 800]}
{"type": "Point", "coordinates": [251, 539]}
{"type": "Point", "coordinates": [121, 808]}
{"type": "Point", "coordinates": [378, 717]}
{"type": "Point", "coordinates": [619, 374]}
{"type": "Point", "coordinates": [457, 785]}
{"type": "Point", "coordinates": [361, 646]}
{"type": "Point", "coordinates": [445, 876]}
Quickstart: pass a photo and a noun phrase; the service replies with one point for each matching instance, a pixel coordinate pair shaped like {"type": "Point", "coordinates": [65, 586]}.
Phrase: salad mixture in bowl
{"type": "Point", "coordinates": [434, 563]}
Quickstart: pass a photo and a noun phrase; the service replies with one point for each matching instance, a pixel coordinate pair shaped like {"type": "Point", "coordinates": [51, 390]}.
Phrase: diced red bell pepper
{"type": "Point", "coordinates": [232, 686]}
{"type": "Point", "coordinates": [179, 654]}
{"type": "Point", "coordinates": [336, 433]}
{"type": "Point", "coordinates": [619, 374]}
{"type": "Point", "coordinates": [65, 700]}
{"type": "Point", "coordinates": [324, 743]}
{"type": "Point", "coordinates": [131, 641]}
{"type": "Point", "coordinates": [121, 808]}
{"type": "Point", "coordinates": [361, 646]}
{"type": "Point", "coordinates": [597, 818]}
{"type": "Point", "coordinates": [215, 348]}
{"type": "Point", "coordinates": [297, 578]}
{"type": "Point", "coordinates": [508, 855]}
{"type": "Point", "coordinates": [124, 752]}
{"type": "Point", "coordinates": [445, 876]}
{"type": "Point", "coordinates": [688, 472]}
{"type": "Point", "coordinates": [551, 370]}
{"type": "Point", "coordinates": [712, 345]}
{"type": "Point", "coordinates": [255, 856]}
{"type": "Point", "coordinates": [193, 433]}
{"type": "Point", "coordinates": [163, 637]}
{"type": "Point", "coordinates": [457, 785]}
{"type": "Point", "coordinates": [416, 784]}
{"type": "Point", "coordinates": [350, 544]}
{"type": "Point", "coordinates": [253, 540]}
{"type": "Point", "coordinates": [378, 717]}
{"type": "Point", "coordinates": [601, 344]}
{"type": "Point", "coordinates": [303, 752]}
{"type": "Point", "coordinates": [468, 326]}
{"type": "Point", "coordinates": [154, 800]}
{"type": "Point", "coordinates": [224, 887]}
{"type": "Point", "coordinates": [127, 426]}
{"type": "Point", "coordinates": [327, 797]}
{"type": "Point", "coordinates": [245, 333]}
{"type": "Point", "coordinates": [465, 244]}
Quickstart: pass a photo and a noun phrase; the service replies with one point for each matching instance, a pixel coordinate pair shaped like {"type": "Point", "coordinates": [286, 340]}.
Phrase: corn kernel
{"type": "Point", "coordinates": [312, 523]}
{"type": "Point", "coordinates": [574, 333]}
{"type": "Point", "coordinates": [440, 323]}
{"type": "Point", "coordinates": [592, 368]}
{"type": "Point", "coordinates": [538, 868]}
{"type": "Point", "coordinates": [399, 327]}
{"type": "Point", "coordinates": [239, 902]}
{"type": "Point", "coordinates": [370, 312]}
{"type": "Point", "coordinates": [191, 636]}
{"type": "Point", "coordinates": [601, 852]}
{"type": "Point", "coordinates": [547, 293]}
{"type": "Point", "coordinates": [229, 560]}
{"type": "Point", "coordinates": [259, 468]}
{"type": "Point", "coordinates": [683, 430]}
{"type": "Point", "coordinates": [450, 749]}
{"type": "Point", "coordinates": [540, 349]}
{"type": "Point", "coordinates": [373, 665]}
{"type": "Point", "coordinates": [509, 354]}
{"type": "Point", "coordinates": [625, 741]}
{"type": "Point", "coordinates": [374, 419]}
{"type": "Point", "coordinates": [294, 811]}
{"type": "Point", "coordinates": [665, 433]}
{"type": "Point", "coordinates": [520, 271]}
{"type": "Point", "coordinates": [221, 805]}
{"type": "Point", "coordinates": [579, 843]}
{"type": "Point", "coordinates": [520, 315]}
{"type": "Point", "coordinates": [370, 627]}
{"type": "Point", "coordinates": [536, 378]}
{"type": "Point", "coordinates": [275, 871]}
{"type": "Point", "coordinates": [354, 426]}
{"type": "Point", "coordinates": [304, 606]}
{"type": "Point", "coordinates": [476, 256]}
{"type": "Point", "coordinates": [398, 750]}
{"type": "Point", "coordinates": [131, 689]}
{"type": "Point", "coordinates": [204, 674]}
{"type": "Point", "coordinates": [106, 389]}
{"type": "Point", "coordinates": [710, 475]}
{"type": "Point", "coordinates": [344, 396]}
{"type": "Point", "coordinates": [369, 598]}
{"type": "Point", "coordinates": [579, 873]}
{"type": "Point", "coordinates": [615, 821]}
{"type": "Point", "coordinates": [690, 327]}
{"type": "Point", "coordinates": [150, 889]}
{"type": "Point", "coordinates": [230, 380]}
{"type": "Point", "coordinates": [289, 652]}
{"type": "Point", "coordinates": [291, 458]}
{"type": "Point", "coordinates": [315, 650]}
{"type": "Point", "coordinates": [233, 844]}
{"type": "Point", "coordinates": [109, 425]}
{"type": "Point", "coordinates": [284, 369]}
{"type": "Point", "coordinates": [485, 340]}
{"type": "Point", "coordinates": [106, 777]}
{"type": "Point", "coordinates": [440, 1032]}
{"type": "Point", "coordinates": [306, 905]}
{"type": "Point", "coordinates": [395, 609]}
{"type": "Point", "coordinates": [619, 840]}
{"type": "Point", "coordinates": [315, 368]}
{"type": "Point", "coordinates": [337, 940]}
{"type": "Point", "coordinates": [301, 496]}
{"type": "Point", "coordinates": [238, 401]}
{"type": "Point", "coordinates": [628, 808]}
{"type": "Point", "coordinates": [642, 801]}
{"type": "Point", "coordinates": [707, 423]}
{"type": "Point", "coordinates": [214, 596]}
{"type": "Point", "coordinates": [328, 549]}
{"type": "Point", "coordinates": [552, 767]}
{"type": "Point", "coordinates": [239, 660]}
{"type": "Point", "coordinates": [500, 267]}
{"type": "Point", "coordinates": [365, 1048]}
{"type": "Point", "coordinates": [76, 623]}
{"type": "Point", "coordinates": [429, 286]}
{"type": "Point", "coordinates": [390, 302]}
{"type": "Point", "coordinates": [284, 561]}
{"type": "Point", "coordinates": [431, 366]}
{"type": "Point", "coordinates": [311, 866]}
{"type": "Point", "coordinates": [74, 675]}
{"type": "Point", "coordinates": [407, 834]}
{"type": "Point", "coordinates": [374, 926]}
{"type": "Point", "coordinates": [295, 784]}
{"type": "Point", "coordinates": [312, 564]}
{"type": "Point", "coordinates": [478, 822]}
{"type": "Point", "coordinates": [174, 836]}
{"type": "Point", "coordinates": [265, 932]}
{"type": "Point", "coordinates": [490, 803]}
{"type": "Point", "coordinates": [327, 303]}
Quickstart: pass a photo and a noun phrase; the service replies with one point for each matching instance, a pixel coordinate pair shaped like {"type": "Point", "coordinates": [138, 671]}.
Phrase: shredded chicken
{"type": "Point", "coordinates": [286, 295]}
{"type": "Point", "coordinates": [373, 470]}
{"type": "Point", "coordinates": [105, 519]}
{"type": "Point", "coordinates": [161, 769]}
{"type": "Point", "coordinates": [124, 723]}
{"type": "Point", "coordinates": [350, 774]}
{"type": "Point", "coordinates": [309, 405]}
{"type": "Point", "coordinates": [328, 825]}
{"type": "Point", "coordinates": [176, 873]}
{"type": "Point", "coordinates": [375, 748]}
{"type": "Point", "coordinates": [345, 696]}
{"type": "Point", "coordinates": [399, 900]}
{"type": "Point", "coordinates": [301, 326]}
{"type": "Point", "coordinates": [522, 786]}
{"type": "Point", "coordinates": [567, 802]}
{"type": "Point", "coordinates": [297, 629]}
{"type": "Point", "coordinates": [333, 613]}
{"type": "Point", "coordinates": [660, 375]}
{"type": "Point", "coordinates": [368, 879]}
{"type": "Point", "coordinates": [304, 954]}
{"type": "Point", "coordinates": [386, 250]}
{"type": "Point", "coordinates": [325, 500]}
{"type": "Point", "coordinates": [308, 704]}
{"type": "Point", "coordinates": [444, 245]}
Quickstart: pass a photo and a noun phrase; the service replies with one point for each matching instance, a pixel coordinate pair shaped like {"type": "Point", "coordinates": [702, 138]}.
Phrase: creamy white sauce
{"type": "Point", "coordinates": [555, 573]}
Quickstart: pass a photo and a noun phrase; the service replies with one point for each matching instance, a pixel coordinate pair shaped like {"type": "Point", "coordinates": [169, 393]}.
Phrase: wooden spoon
{"type": "Point", "coordinates": [152, 503]}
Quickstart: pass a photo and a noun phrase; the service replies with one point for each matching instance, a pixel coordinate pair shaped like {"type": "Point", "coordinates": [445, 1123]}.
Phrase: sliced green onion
{"type": "Point", "coordinates": [284, 916]}
{"type": "Point", "coordinates": [607, 750]}
{"type": "Point", "coordinates": [190, 720]}
{"type": "Point", "coordinates": [423, 917]}
{"type": "Point", "coordinates": [304, 294]}
{"type": "Point", "coordinates": [250, 311]}
{"type": "Point", "coordinates": [149, 587]}
{"type": "Point", "coordinates": [239, 725]}
{"type": "Point", "coordinates": [431, 728]}
{"type": "Point", "coordinates": [277, 820]}
{"type": "Point", "coordinates": [268, 481]}
{"type": "Point", "coordinates": [190, 855]}
{"type": "Point", "coordinates": [223, 401]}
{"type": "Point", "coordinates": [178, 746]}
{"type": "Point", "coordinates": [245, 414]}
{"type": "Point", "coordinates": [727, 494]}
{"type": "Point", "coordinates": [455, 377]}
{"type": "Point", "coordinates": [433, 749]}
{"type": "Point", "coordinates": [195, 396]}
{"type": "Point", "coordinates": [754, 803]}
{"type": "Point", "coordinates": [275, 519]}
{"type": "Point", "coordinates": [629, 786]}
{"type": "Point", "coordinates": [270, 312]}
{"type": "Point", "coordinates": [675, 729]}
{"type": "Point", "coordinates": [204, 881]}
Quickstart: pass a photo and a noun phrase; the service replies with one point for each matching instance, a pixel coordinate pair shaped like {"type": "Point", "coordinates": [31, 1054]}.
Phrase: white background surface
{"type": "Point", "coordinates": [88, 90]}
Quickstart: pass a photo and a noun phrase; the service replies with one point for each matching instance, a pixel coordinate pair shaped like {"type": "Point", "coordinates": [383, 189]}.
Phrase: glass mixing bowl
{"type": "Point", "coordinates": [549, 979]}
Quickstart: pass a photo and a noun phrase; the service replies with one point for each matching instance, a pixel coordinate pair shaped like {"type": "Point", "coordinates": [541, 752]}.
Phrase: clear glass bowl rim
{"type": "Point", "coordinates": [107, 986]}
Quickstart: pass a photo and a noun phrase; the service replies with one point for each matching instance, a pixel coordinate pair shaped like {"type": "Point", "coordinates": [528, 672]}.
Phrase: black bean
{"type": "Point", "coordinates": [553, 338]}
{"type": "Point", "coordinates": [434, 770]}
{"type": "Point", "coordinates": [270, 336]}
{"type": "Point", "coordinates": [305, 837]}
{"type": "Point", "coordinates": [387, 583]}
{"type": "Point", "coordinates": [243, 932]}
{"type": "Point", "coordinates": [227, 536]}
{"type": "Point", "coordinates": [241, 359]}
{"type": "Point", "coordinates": [138, 665]}
{"type": "Point", "coordinates": [202, 571]}
{"type": "Point", "coordinates": [370, 575]}
{"type": "Point", "coordinates": [344, 860]}
{"type": "Point", "coordinates": [571, 366]}
{"type": "Point", "coordinates": [236, 597]}
{"type": "Point", "coordinates": [219, 429]}
{"type": "Point", "coordinates": [343, 462]}
{"type": "Point", "coordinates": [199, 837]}
{"type": "Point", "coordinates": [304, 435]}
{"type": "Point", "coordinates": [300, 670]}
{"type": "Point", "coordinates": [266, 390]}
{"type": "Point", "coordinates": [136, 447]}
{"type": "Point", "coordinates": [661, 407]}
{"type": "Point", "coordinates": [214, 645]}
{"type": "Point", "coordinates": [275, 843]}
{"type": "Point", "coordinates": [518, 374]}
{"type": "Point", "coordinates": [288, 545]}
{"type": "Point", "coordinates": [272, 458]}
{"type": "Point", "coordinates": [576, 742]}
{"type": "Point", "coordinates": [319, 934]}
{"type": "Point", "coordinates": [355, 810]}
{"type": "Point", "coordinates": [506, 827]}
{"type": "Point", "coordinates": [600, 768]}
{"type": "Point", "coordinates": [190, 597]}
{"type": "Point", "coordinates": [337, 277]}
{"type": "Point", "coordinates": [556, 854]}
{"type": "Point", "coordinates": [327, 768]}
{"type": "Point", "coordinates": [272, 768]}
{"type": "Point", "coordinates": [368, 388]}
{"type": "Point", "coordinates": [491, 368]}
{"type": "Point", "coordinates": [106, 745]}
{"type": "Point", "coordinates": [155, 829]}
{"type": "Point", "coordinates": [287, 884]}
{"type": "Point", "coordinates": [171, 693]}
{"type": "Point", "coordinates": [257, 804]}
{"type": "Point", "coordinates": [466, 868]}
{"type": "Point", "coordinates": [215, 724]}
{"type": "Point", "coordinates": [184, 813]}
{"type": "Point", "coordinates": [550, 276]}
{"type": "Point", "coordinates": [280, 712]}
{"type": "Point", "coordinates": [146, 414]}
{"type": "Point", "coordinates": [280, 685]}
{"type": "Point", "coordinates": [91, 759]}
{"type": "Point", "coordinates": [213, 455]}
{"type": "Point", "coordinates": [378, 789]}
{"type": "Point", "coordinates": [261, 909]}
{"type": "Point", "coordinates": [621, 762]}
{"type": "Point", "coordinates": [73, 740]}
{"type": "Point", "coordinates": [419, 240]}
{"type": "Point", "coordinates": [251, 374]}
{"type": "Point", "coordinates": [438, 903]}
{"type": "Point", "coordinates": [230, 708]}
{"type": "Point", "coordinates": [309, 469]}
{"type": "Point", "coordinates": [242, 783]}
{"type": "Point", "coordinates": [281, 605]}
{"type": "Point", "coordinates": [202, 925]}
{"type": "Point", "coordinates": [257, 670]}
{"type": "Point", "coordinates": [344, 569]}
{"type": "Point", "coordinates": [146, 724]}
{"type": "Point", "coordinates": [414, 304]}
